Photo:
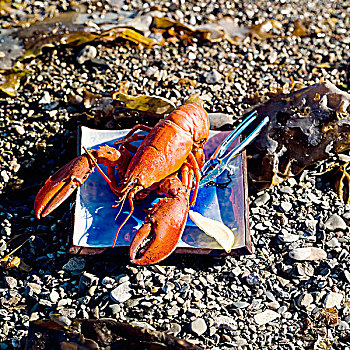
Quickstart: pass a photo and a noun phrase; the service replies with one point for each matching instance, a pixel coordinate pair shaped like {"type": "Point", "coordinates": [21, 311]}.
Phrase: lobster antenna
{"type": "Point", "coordinates": [121, 204]}
{"type": "Point", "coordinates": [130, 197]}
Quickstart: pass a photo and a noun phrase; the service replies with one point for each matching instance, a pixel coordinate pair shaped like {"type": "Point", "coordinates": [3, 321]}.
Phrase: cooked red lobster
{"type": "Point", "coordinates": [173, 149]}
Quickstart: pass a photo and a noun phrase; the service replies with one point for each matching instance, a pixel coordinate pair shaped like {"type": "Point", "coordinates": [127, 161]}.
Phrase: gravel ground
{"type": "Point", "coordinates": [265, 300]}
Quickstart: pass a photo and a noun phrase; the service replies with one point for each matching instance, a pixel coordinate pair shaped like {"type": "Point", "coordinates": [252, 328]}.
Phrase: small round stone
{"type": "Point", "coordinates": [198, 326]}
{"type": "Point", "coordinates": [335, 222]}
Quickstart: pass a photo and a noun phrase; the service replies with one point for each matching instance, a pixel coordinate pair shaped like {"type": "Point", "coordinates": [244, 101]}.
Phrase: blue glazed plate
{"type": "Point", "coordinates": [94, 220]}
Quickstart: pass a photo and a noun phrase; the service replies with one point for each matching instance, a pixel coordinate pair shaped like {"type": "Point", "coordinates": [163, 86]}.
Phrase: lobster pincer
{"type": "Point", "coordinates": [62, 183]}
{"type": "Point", "coordinates": [163, 227]}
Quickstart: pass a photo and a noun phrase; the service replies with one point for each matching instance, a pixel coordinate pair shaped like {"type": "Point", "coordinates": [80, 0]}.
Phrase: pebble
{"type": "Point", "coordinates": [308, 253]}
{"type": "Point", "coordinates": [74, 265]}
{"type": "Point", "coordinates": [305, 299]}
{"type": "Point", "coordinates": [45, 99]}
{"type": "Point", "coordinates": [347, 275]}
{"type": "Point", "coordinates": [115, 308]}
{"type": "Point", "coordinates": [174, 328]}
{"type": "Point", "coordinates": [212, 77]}
{"type": "Point", "coordinates": [240, 342]}
{"type": "Point", "coordinates": [34, 287]}
{"type": "Point", "coordinates": [54, 296]}
{"type": "Point", "coordinates": [122, 292]}
{"type": "Point", "coordinates": [333, 243]}
{"type": "Point", "coordinates": [225, 322]}
{"type": "Point", "coordinates": [288, 237]}
{"type": "Point", "coordinates": [20, 129]}
{"type": "Point", "coordinates": [266, 317]}
{"type": "Point", "coordinates": [274, 305]}
{"type": "Point", "coordinates": [2, 245]}
{"type": "Point", "coordinates": [151, 71]}
{"type": "Point", "coordinates": [86, 54]}
{"type": "Point", "coordinates": [86, 281]}
{"type": "Point", "coordinates": [191, 56]}
{"type": "Point", "coordinates": [11, 282]}
{"type": "Point", "coordinates": [240, 304]}
{"type": "Point", "coordinates": [4, 176]}
{"type": "Point", "coordinates": [198, 295]}
{"type": "Point", "coordinates": [143, 325]}
{"type": "Point", "coordinates": [68, 312]}
{"type": "Point", "coordinates": [198, 326]}
{"type": "Point", "coordinates": [253, 279]}
{"type": "Point", "coordinates": [219, 120]}
{"type": "Point", "coordinates": [261, 200]}
{"type": "Point", "coordinates": [333, 300]}
{"type": "Point", "coordinates": [335, 222]}
{"type": "Point", "coordinates": [286, 206]}
{"type": "Point", "coordinates": [343, 326]}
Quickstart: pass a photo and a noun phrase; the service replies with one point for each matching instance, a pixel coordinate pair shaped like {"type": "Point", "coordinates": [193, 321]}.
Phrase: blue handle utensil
{"type": "Point", "coordinates": [217, 163]}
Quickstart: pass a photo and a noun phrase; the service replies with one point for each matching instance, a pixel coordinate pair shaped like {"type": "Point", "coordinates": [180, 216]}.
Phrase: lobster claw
{"type": "Point", "coordinates": [61, 185]}
{"type": "Point", "coordinates": [63, 182]}
{"type": "Point", "coordinates": [161, 231]}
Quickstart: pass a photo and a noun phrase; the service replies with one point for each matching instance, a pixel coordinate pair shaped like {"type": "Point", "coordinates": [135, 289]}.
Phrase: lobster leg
{"type": "Point", "coordinates": [63, 183]}
{"type": "Point", "coordinates": [130, 137]}
{"type": "Point", "coordinates": [164, 225]}
{"type": "Point", "coordinates": [195, 167]}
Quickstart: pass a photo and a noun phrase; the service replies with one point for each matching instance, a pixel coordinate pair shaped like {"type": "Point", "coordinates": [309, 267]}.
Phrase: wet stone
{"type": "Point", "coordinates": [20, 129]}
{"type": "Point", "coordinates": [266, 317]}
{"type": "Point", "coordinates": [333, 243]}
{"type": "Point", "coordinates": [343, 326]}
{"type": "Point", "coordinates": [54, 296]}
{"type": "Point", "coordinates": [115, 308]}
{"type": "Point", "coordinates": [333, 300]}
{"type": "Point", "coordinates": [308, 253]}
{"type": "Point", "coordinates": [86, 54]}
{"type": "Point", "coordinates": [86, 281]}
{"type": "Point", "coordinates": [286, 206]}
{"type": "Point", "coordinates": [335, 222]}
{"type": "Point", "coordinates": [212, 77]}
{"type": "Point", "coordinates": [225, 322]}
{"type": "Point", "coordinates": [11, 282]}
{"type": "Point", "coordinates": [288, 237]}
{"type": "Point", "coordinates": [121, 293]}
{"type": "Point", "coordinates": [305, 299]}
{"type": "Point", "coordinates": [240, 304]}
{"type": "Point", "coordinates": [74, 265]}
{"type": "Point", "coordinates": [198, 326]}
{"type": "Point", "coordinates": [174, 329]}
{"type": "Point", "coordinates": [261, 200]}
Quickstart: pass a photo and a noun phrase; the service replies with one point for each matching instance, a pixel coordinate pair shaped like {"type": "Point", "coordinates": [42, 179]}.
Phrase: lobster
{"type": "Point", "coordinates": [167, 161]}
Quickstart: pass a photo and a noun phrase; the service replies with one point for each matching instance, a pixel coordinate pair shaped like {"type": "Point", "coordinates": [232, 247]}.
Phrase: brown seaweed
{"type": "Point", "coordinates": [62, 333]}
{"type": "Point", "coordinates": [305, 126]}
